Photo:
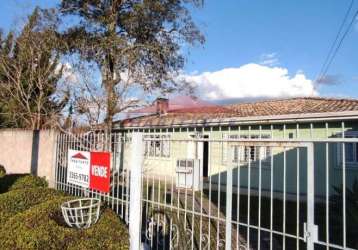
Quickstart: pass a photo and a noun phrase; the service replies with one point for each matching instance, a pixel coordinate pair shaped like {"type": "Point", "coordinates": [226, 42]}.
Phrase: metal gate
{"type": "Point", "coordinates": [250, 201]}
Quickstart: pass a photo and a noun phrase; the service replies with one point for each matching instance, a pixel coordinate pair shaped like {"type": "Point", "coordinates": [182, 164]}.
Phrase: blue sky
{"type": "Point", "coordinates": [259, 48]}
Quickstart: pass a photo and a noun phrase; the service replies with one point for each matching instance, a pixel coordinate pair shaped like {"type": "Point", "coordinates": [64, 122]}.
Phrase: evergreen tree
{"type": "Point", "coordinates": [30, 70]}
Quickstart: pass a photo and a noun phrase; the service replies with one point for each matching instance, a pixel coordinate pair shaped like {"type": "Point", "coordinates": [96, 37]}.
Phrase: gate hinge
{"type": "Point", "coordinates": [310, 232]}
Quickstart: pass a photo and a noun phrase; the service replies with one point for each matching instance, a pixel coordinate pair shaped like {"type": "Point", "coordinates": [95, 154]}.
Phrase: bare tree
{"type": "Point", "coordinates": [88, 99]}
{"type": "Point", "coordinates": [133, 43]}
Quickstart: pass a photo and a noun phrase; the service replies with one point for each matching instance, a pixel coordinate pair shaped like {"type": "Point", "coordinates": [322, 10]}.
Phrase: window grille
{"type": "Point", "coordinates": [158, 146]}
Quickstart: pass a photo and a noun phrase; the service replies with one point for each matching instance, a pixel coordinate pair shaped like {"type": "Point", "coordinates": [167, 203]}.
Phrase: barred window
{"type": "Point", "coordinates": [157, 146]}
{"type": "Point", "coordinates": [244, 154]}
{"type": "Point", "coordinates": [349, 150]}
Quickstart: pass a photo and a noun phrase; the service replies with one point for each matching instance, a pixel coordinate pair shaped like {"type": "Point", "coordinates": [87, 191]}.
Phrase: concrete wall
{"type": "Point", "coordinates": [26, 151]}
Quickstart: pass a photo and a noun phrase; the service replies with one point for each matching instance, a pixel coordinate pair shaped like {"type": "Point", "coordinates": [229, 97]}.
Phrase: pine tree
{"type": "Point", "coordinates": [29, 73]}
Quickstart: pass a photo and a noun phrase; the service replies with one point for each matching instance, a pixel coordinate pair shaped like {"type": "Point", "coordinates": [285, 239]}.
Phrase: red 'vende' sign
{"type": "Point", "coordinates": [100, 171]}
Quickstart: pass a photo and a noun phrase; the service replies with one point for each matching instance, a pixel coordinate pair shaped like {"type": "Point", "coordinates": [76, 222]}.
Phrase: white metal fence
{"type": "Point", "coordinates": [118, 197]}
{"type": "Point", "coordinates": [232, 193]}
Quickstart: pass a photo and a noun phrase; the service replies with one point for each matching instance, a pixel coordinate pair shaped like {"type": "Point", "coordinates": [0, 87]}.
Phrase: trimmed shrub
{"type": "Point", "coordinates": [2, 171]}
{"type": "Point", "coordinates": [19, 200]}
{"type": "Point", "coordinates": [41, 227]}
{"type": "Point", "coordinates": [108, 233]}
{"type": "Point", "coordinates": [33, 228]}
{"type": "Point", "coordinates": [29, 181]}
{"type": "Point", "coordinates": [20, 181]}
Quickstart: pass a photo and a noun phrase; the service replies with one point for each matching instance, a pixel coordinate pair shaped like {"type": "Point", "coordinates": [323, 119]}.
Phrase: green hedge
{"type": "Point", "coordinates": [20, 181]}
{"type": "Point", "coordinates": [108, 233]}
{"type": "Point", "coordinates": [41, 227]}
{"type": "Point", "coordinates": [2, 171]}
{"type": "Point", "coordinates": [30, 218]}
{"type": "Point", "coordinates": [19, 200]}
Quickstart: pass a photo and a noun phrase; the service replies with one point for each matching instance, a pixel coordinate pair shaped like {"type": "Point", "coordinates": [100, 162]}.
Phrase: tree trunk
{"type": "Point", "coordinates": [109, 116]}
{"type": "Point", "coordinates": [111, 102]}
{"type": "Point", "coordinates": [110, 81]}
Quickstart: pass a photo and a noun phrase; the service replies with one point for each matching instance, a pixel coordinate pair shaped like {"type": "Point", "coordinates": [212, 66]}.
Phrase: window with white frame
{"type": "Point", "coordinates": [244, 154]}
{"type": "Point", "coordinates": [350, 149]}
{"type": "Point", "coordinates": [157, 145]}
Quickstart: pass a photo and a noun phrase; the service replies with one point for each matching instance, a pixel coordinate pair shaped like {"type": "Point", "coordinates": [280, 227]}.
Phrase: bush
{"type": "Point", "coordinates": [108, 233]}
{"type": "Point", "coordinates": [2, 171]}
{"type": "Point", "coordinates": [20, 181]}
{"type": "Point", "coordinates": [33, 228]}
{"type": "Point", "coordinates": [41, 227]}
{"type": "Point", "coordinates": [19, 200]}
{"type": "Point", "coordinates": [29, 181]}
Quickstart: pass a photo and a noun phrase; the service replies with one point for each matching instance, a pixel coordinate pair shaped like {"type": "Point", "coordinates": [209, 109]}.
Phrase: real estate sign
{"type": "Point", "coordinates": [100, 171]}
{"type": "Point", "coordinates": [78, 167]}
{"type": "Point", "coordinates": [89, 169]}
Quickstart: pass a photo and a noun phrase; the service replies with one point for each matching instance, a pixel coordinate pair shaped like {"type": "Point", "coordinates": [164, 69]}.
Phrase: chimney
{"type": "Point", "coordinates": [161, 105]}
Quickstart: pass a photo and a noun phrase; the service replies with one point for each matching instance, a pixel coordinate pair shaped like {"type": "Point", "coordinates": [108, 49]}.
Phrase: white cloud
{"type": "Point", "coordinates": [251, 81]}
{"type": "Point", "coordinates": [269, 59]}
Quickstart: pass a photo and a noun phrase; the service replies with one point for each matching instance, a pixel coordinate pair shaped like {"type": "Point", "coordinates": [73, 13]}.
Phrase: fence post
{"type": "Point", "coordinates": [311, 228]}
{"type": "Point", "coordinates": [228, 228]}
{"type": "Point", "coordinates": [53, 178]}
{"type": "Point", "coordinates": [135, 215]}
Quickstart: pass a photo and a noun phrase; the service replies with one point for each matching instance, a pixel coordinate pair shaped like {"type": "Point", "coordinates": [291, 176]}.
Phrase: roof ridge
{"type": "Point", "coordinates": [295, 98]}
{"type": "Point", "coordinates": [294, 108]}
{"type": "Point", "coordinates": [336, 98]}
{"type": "Point", "coordinates": [268, 100]}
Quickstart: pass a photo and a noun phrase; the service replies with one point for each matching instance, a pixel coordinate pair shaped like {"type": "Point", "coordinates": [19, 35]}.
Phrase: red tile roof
{"type": "Point", "coordinates": [177, 104]}
{"type": "Point", "coordinates": [293, 106]}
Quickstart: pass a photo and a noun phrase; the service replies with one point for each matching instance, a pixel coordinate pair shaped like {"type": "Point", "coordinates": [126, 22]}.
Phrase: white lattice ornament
{"type": "Point", "coordinates": [81, 213]}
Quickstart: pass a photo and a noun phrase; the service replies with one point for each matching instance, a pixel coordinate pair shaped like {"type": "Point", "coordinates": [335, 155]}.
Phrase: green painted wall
{"type": "Point", "coordinates": [165, 167]}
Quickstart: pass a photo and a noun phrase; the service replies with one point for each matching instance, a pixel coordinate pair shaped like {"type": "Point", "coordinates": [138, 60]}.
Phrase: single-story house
{"type": "Point", "coordinates": [306, 118]}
